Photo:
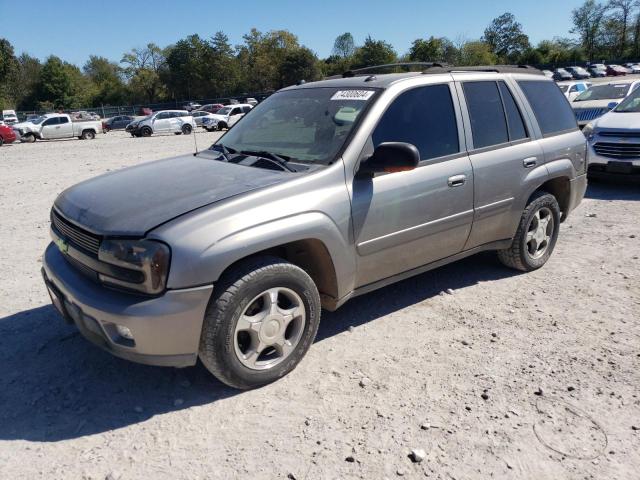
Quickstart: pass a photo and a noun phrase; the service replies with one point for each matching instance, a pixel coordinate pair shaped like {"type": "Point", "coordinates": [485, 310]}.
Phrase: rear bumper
{"type": "Point", "coordinates": [166, 329]}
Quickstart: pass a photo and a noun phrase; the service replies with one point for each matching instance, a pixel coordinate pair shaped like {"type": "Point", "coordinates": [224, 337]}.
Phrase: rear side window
{"type": "Point", "coordinates": [517, 130]}
{"type": "Point", "coordinates": [488, 123]}
{"type": "Point", "coordinates": [424, 117]}
{"type": "Point", "coordinates": [64, 120]}
{"type": "Point", "coordinates": [549, 105]}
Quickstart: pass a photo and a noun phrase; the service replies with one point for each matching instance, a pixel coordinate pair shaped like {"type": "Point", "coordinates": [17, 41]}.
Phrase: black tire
{"type": "Point", "coordinates": [146, 132]}
{"type": "Point", "coordinates": [186, 129]}
{"type": "Point", "coordinates": [177, 133]}
{"type": "Point", "coordinates": [1, 141]}
{"type": "Point", "coordinates": [88, 135]}
{"type": "Point", "coordinates": [222, 126]}
{"type": "Point", "coordinates": [518, 255]}
{"type": "Point", "coordinates": [232, 295]}
{"type": "Point", "coordinates": [29, 138]}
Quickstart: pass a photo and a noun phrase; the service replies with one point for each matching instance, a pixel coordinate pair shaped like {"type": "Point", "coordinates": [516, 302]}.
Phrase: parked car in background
{"type": "Point", "coordinates": [145, 111]}
{"type": "Point", "coordinates": [616, 71]}
{"type": "Point", "coordinates": [7, 134]}
{"type": "Point", "coordinates": [198, 116]}
{"type": "Point", "coordinates": [560, 74]}
{"type": "Point", "coordinates": [119, 122]}
{"type": "Point", "coordinates": [226, 117]}
{"type": "Point", "coordinates": [601, 98]}
{"type": "Point", "coordinates": [192, 106]}
{"type": "Point", "coordinates": [211, 107]}
{"type": "Point", "coordinates": [251, 101]}
{"type": "Point", "coordinates": [53, 126]}
{"type": "Point", "coordinates": [635, 69]}
{"type": "Point", "coordinates": [547, 73]}
{"type": "Point", "coordinates": [597, 70]}
{"type": "Point", "coordinates": [229, 255]}
{"type": "Point", "coordinates": [614, 141]}
{"type": "Point", "coordinates": [164, 121]}
{"type": "Point", "coordinates": [572, 89]}
{"type": "Point", "coordinates": [9, 117]}
{"type": "Point", "coordinates": [84, 115]}
{"type": "Point", "coordinates": [578, 73]}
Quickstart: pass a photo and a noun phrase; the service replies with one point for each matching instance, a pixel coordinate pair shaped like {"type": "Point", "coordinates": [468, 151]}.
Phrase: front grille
{"type": "Point", "coordinates": [617, 150]}
{"type": "Point", "coordinates": [75, 235]}
{"type": "Point", "coordinates": [588, 114]}
{"type": "Point", "coordinates": [620, 133]}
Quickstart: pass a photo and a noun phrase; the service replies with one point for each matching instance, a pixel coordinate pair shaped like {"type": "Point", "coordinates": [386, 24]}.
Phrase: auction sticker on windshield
{"type": "Point", "coordinates": [353, 95]}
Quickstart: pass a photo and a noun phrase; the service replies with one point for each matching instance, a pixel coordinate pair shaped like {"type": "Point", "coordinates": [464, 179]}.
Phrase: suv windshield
{"type": "Point", "coordinates": [306, 124]}
{"type": "Point", "coordinates": [224, 111]}
{"type": "Point", "coordinates": [604, 92]}
{"type": "Point", "coordinates": [37, 120]}
{"type": "Point", "coordinates": [631, 104]}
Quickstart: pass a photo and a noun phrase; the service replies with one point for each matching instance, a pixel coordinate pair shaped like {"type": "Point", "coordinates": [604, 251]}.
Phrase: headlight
{"type": "Point", "coordinates": [588, 130]}
{"type": "Point", "coordinates": [148, 259]}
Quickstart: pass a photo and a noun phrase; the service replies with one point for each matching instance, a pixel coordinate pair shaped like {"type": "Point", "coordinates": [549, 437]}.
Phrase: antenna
{"type": "Point", "coordinates": [195, 141]}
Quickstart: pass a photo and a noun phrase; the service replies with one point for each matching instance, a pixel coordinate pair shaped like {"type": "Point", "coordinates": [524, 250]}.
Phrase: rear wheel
{"type": "Point", "coordinates": [536, 236]}
{"type": "Point", "coordinates": [186, 129]}
{"type": "Point", "coordinates": [260, 322]}
{"type": "Point", "coordinates": [88, 135]}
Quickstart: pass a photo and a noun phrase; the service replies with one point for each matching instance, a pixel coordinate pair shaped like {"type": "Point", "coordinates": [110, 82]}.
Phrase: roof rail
{"type": "Point", "coordinates": [498, 69]}
{"type": "Point", "coordinates": [366, 70]}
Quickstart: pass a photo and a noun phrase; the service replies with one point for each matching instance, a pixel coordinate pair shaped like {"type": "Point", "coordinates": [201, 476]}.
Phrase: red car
{"type": "Point", "coordinates": [7, 135]}
{"type": "Point", "coordinates": [615, 70]}
{"type": "Point", "coordinates": [211, 108]}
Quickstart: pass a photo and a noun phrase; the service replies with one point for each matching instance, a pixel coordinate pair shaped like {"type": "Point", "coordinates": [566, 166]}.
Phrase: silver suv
{"type": "Point", "coordinates": [323, 192]}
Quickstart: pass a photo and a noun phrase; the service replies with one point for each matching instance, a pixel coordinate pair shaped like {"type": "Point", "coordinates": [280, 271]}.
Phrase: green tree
{"type": "Point", "coordinates": [143, 68]}
{"type": "Point", "coordinates": [344, 46]}
{"type": "Point", "coordinates": [56, 87]}
{"type": "Point", "coordinates": [300, 64]}
{"type": "Point", "coordinates": [433, 50]}
{"type": "Point", "coordinates": [24, 86]}
{"type": "Point", "coordinates": [8, 71]}
{"type": "Point", "coordinates": [107, 80]}
{"type": "Point", "coordinates": [505, 37]}
{"type": "Point", "coordinates": [374, 52]}
{"type": "Point", "coordinates": [587, 24]}
{"type": "Point", "coordinates": [476, 52]}
{"type": "Point", "coordinates": [621, 12]}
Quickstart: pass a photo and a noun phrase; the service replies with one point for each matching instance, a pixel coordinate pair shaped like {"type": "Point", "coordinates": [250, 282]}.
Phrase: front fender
{"type": "Point", "coordinates": [189, 267]}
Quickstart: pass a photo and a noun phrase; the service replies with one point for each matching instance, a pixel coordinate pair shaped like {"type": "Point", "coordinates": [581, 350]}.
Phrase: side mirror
{"type": "Point", "coordinates": [391, 157]}
{"type": "Point", "coordinates": [612, 105]}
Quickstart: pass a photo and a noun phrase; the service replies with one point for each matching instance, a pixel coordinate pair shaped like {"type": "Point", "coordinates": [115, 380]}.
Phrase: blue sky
{"type": "Point", "coordinates": [73, 30]}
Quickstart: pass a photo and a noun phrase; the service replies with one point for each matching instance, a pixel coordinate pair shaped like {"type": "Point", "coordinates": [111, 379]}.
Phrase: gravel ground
{"type": "Point", "coordinates": [492, 374]}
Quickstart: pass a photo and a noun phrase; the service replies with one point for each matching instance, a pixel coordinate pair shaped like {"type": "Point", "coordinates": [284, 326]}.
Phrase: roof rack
{"type": "Point", "coordinates": [366, 70]}
{"type": "Point", "coordinates": [435, 67]}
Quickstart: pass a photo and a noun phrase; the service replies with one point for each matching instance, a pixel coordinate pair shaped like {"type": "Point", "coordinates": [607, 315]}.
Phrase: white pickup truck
{"type": "Point", "coordinates": [56, 125]}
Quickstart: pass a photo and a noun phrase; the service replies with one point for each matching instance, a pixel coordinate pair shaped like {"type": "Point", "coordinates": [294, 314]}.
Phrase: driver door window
{"type": "Point", "coordinates": [49, 127]}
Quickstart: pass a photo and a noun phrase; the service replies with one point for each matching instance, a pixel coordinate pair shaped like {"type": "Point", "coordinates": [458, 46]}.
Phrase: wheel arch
{"type": "Point", "coordinates": [560, 188]}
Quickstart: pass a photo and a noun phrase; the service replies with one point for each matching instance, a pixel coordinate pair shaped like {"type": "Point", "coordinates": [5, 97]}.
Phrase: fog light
{"type": "Point", "coordinates": [124, 332]}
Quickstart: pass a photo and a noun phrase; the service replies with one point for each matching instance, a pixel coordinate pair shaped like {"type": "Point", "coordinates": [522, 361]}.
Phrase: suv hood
{"type": "Point", "coordinates": [132, 201]}
{"type": "Point", "coordinates": [619, 121]}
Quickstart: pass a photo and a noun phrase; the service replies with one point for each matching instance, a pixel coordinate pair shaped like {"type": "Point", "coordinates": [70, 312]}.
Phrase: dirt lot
{"type": "Point", "coordinates": [507, 376]}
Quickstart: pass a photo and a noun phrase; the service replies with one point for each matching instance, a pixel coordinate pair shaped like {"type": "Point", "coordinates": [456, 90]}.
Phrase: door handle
{"type": "Point", "coordinates": [457, 180]}
{"type": "Point", "coordinates": [530, 162]}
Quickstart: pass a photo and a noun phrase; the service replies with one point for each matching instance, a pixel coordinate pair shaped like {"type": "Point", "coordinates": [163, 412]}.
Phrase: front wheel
{"type": "Point", "coordinates": [146, 132]}
{"type": "Point", "coordinates": [186, 129]}
{"type": "Point", "coordinates": [536, 236]}
{"type": "Point", "coordinates": [260, 322]}
{"type": "Point", "coordinates": [29, 138]}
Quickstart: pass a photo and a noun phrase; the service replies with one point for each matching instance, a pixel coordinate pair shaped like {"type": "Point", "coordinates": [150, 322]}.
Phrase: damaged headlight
{"type": "Point", "coordinates": [146, 260]}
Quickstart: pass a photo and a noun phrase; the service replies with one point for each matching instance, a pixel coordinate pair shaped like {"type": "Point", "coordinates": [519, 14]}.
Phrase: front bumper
{"type": "Point", "coordinates": [166, 329]}
{"type": "Point", "coordinates": [612, 168]}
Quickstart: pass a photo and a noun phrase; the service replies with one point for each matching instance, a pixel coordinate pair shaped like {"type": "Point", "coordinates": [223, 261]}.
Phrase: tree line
{"type": "Point", "coordinates": [199, 68]}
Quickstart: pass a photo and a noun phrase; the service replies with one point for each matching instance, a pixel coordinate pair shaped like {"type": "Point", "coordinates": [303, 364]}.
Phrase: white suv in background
{"type": "Point", "coordinates": [165, 121]}
{"type": "Point", "coordinates": [572, 89]}
{"type": "Point", "coordinates": [226, 117]}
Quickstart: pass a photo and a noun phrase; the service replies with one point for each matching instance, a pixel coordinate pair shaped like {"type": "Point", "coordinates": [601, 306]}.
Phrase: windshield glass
{"type": "Point", "coordinates": [224, 111]}
{"type": "Point", "coordinates": [604, 92]}
{"type": "Point", "coordinates": [307, 124]}
{"type": "Point", "coordinates": [631, 104]}
{"type": "Point", "coordinates": [37, 120]}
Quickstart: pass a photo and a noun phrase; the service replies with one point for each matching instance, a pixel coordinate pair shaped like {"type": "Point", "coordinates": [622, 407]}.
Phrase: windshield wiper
{"type": "Point", "coordinates": [274, 157]}
{"type": "Point", "coordinates": [224, 150]}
